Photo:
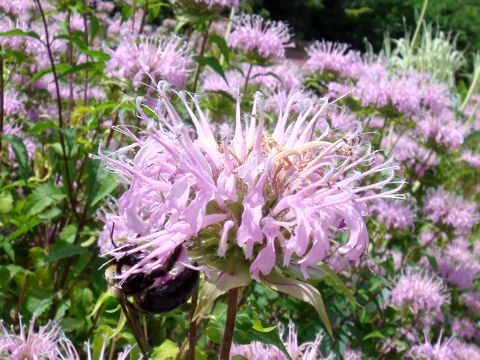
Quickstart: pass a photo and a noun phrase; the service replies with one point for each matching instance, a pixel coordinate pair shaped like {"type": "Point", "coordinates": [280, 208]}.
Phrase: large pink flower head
{"type": "Point", "coordinates": [267, 39]}
{"type": "Point", "coordinates": [162, 58]}
{"type": "Point", "coordinates": [47, 343]}
{"type": "Point", "coordinates": [270, 198]}
{"type": "Point", "coordinates": [334, 57]}
{"type": "Point", "coordinates": [438, 351]}
{"type": "Point", "coordinates": [421, 292]}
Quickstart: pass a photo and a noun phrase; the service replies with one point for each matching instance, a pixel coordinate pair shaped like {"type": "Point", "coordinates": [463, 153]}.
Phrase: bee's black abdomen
{"type": "Point", "coordinates": [170, 295]}
{"type": "Point", "coordinates": [136, 283]}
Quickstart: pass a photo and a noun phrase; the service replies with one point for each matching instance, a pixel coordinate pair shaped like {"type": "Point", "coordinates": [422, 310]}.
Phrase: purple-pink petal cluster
{"type": "Point", "coordinates": [278, 196]}
{"type": "Point", "coordinates": [263, 37]}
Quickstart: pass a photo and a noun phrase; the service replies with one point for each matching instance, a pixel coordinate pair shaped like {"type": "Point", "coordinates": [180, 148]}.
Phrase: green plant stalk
{"type": "Point", "coordinates": [472, 87]}
{"type": "Point", "coordinates": [228, 31]}
{"type": "Point", "coordinates": [230, 324]}
{"type": "Point", "coordinates": [415, 35]}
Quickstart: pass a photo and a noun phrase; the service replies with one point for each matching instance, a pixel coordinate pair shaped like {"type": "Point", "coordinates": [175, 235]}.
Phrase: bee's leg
{"type": "Point", "coordinates": [133, 323]}
{"type": "Point", "coordinates": [171, 260]}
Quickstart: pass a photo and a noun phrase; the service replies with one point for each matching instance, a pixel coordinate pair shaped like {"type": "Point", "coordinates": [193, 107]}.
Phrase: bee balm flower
{"type": "Point", "coordinates": [276, 197]}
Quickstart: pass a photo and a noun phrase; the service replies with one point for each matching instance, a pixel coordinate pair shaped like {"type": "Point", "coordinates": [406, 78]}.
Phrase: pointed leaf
{"type": "Point", "coordinates": [300, 290]}
{"type": "Point", "coordinates": [213, 63]}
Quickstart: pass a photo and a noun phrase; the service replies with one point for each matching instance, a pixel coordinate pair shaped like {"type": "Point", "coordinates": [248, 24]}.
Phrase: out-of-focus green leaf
{"type": "Point", "coordinates": [20, 32]}
{"type": "Point", "coordinates": [21, 154]}
{"type": "Point", "coordinates": [41, 126]}
{"type": "Point", "coordinates": [222, 45]}
{"type": "Point", "coordinates": [6, 202]}
{"type": "Point", "coordinates": [167, 350]}
{"type": "Point", "coordinates": [374, 334]}
{"type": "Point", "coordinates": [91, 65]}
{"type": "Point", "coordinates": [62, 251]}
{"type": "Point", "coordinates": [94, 25]}
{"type": "Point", "coordinates": [68, 233]}
{"type": "Point", "coordinates": [213, 63]}
{"type": "Point", "coordinates": [214, 334]}
{"type": "Point", "coordinates": [473, 138]}
{"type": "Point", "coordinates": [39, 301]}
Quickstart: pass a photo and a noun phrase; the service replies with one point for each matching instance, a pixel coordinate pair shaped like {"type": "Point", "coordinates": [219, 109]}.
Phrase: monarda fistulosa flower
{"type": "Point", "coordinates": [260, 199]}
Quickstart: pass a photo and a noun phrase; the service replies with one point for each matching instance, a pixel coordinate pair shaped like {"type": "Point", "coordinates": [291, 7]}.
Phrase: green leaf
{"type": "Point", "coordinates": [214, 334]}
{"type": "Point", "coordinates": [100, 55]}
{"type": "Point", "coordinates": [374, 334]}
{"type": "Point", "coordinates": [167, 350]}
{"type": "Point", "coordinates": [77, 40]}
{"type": "Point", "coordinates": [68, 233]}
{"type": "Point", "coordinates": [18, 55]}
{"type": "Point", "coordinates": [85, 66]}
{"type": "Point", "coordinates": [99, 183]}
{"type": "Point", "coordinates": [473, 137]}
{"type": "Point", "coordinates": [63, 251]}
{"type": "Point", "coordinates": [21, 154]}
{"type": "Point", "coordinates": [213, 63]}
{"type": "Point", "coordinates": [20, 32]}
{"type": "Point", "coordinates": [300, 290]}
{"type": "Point", "coordinates": [219, 284]}
{"type": "Point", "coordinates": [41, 126]}
{"type": "Point", "coordinates": [106, 295]}
{"type": "Point", "coordinates": [94, 25]}
{"type": "Point", "coordinates": [6, 202]}
{"type": "Point", "coordinates": [58, 68]}
{"type": "Point", "coordinates": [44, 196]}
{"type": "Point", "coordinates": [126, 12]}
{"type": "Point", "coordinates": [39, 301]}
{"type": "Point", "coordinates": [222, 45]}
{"type": "Point", "coordinates": [322, 272]}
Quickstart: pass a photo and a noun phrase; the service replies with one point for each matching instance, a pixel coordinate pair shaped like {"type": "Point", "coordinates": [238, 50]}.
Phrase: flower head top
{"type": "Point", "coordinates": [49, 342]}
{"type": "Point", "coordinates": [421, 292]}
{"type": "Point", "coordinates": [275, 197]}
{"type": "Point", "coordinates": [333, 57]}
{"type": "Point", "coordinates": [264, 39]}
{"type": "Point", "coordinates": [162, 58]}
{"type": "Point", "coordinates": [258, 351]}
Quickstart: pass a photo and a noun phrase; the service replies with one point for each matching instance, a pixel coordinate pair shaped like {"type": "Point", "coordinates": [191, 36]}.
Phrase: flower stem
{"type": "Point", "coordinates": [192, 334]}
{"type": "Point", "coordinates": [230, 324]}
{"type": "Point", "coordinates": [202, 50]}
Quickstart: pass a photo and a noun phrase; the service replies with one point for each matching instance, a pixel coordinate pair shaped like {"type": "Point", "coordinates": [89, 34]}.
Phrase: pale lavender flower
{"type": "Point", "coordinates": [444, 128]}
{"type": "Point", "coordinates": [259, 351]}
{"type": "Point", "coordinates": [465, 351]}
{"type": "Point", "coordinates": [471, 158]}
{"type": "Point", "coordinates": [463, 328]}
{"type": "Point", "coordinates": [162, 58]}
{"type": "Point", "coordinates": [394, 214]}
{"type": "Point", "coordinates": [13, 102]}
{"type": "Point", "coordinates": [472, 301]}
{"type": "Point", "coordinates": [421, 292]}
{"type": "Point", "coordinates": [457, 264]}
{"type": "Point", "coordinates": [47, 343]}
{"type": "Point", "coordinates": [428, 351]}
{"type": "Point", "coordinates": [455, 211]}
{"type": "Point", "coordinates": [275, 195]}
{"type": "Point", "coordinates": [333, 57]}
{"type": "Point", "coordinates": [253, 34]}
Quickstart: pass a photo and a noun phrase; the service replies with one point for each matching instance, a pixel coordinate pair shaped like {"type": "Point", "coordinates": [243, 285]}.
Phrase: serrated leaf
{"type": "Point", "coordinates": [300, 290]}
{"type": "Point", "coordinates": [212, 63]}
{"type": "Point", "coordinates": [44, 196]}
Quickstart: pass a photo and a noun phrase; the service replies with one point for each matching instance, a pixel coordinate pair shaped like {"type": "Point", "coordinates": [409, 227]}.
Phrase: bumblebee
{"type": "Point", "coordinates": [147, 296]}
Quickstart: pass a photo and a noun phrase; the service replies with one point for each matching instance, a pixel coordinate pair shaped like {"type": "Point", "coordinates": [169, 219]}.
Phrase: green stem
{"type": "Point", "coordinates": [202, 50]}
{"type": "Point", "coordinates": [415, 35]}
{"type": "Point", "coordinates": [472, 87]}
